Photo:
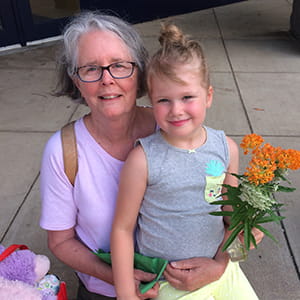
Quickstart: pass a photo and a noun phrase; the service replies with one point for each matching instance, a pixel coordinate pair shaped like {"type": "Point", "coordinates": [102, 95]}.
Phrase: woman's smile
{"type": "Point", "coordinates": [109, 97]}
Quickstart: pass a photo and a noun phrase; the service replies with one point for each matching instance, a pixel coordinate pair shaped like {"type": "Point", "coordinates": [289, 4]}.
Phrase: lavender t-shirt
{"type": "Point", "coordinates": [90, 205]}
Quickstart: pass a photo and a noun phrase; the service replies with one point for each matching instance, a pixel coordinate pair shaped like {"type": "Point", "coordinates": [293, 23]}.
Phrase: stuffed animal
{"type": "Point", "coordinates": [23, 275]}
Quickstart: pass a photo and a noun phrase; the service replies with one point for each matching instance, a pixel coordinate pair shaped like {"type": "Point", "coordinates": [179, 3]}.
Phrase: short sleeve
{"type": "Point", "coordinates": [58, 209]}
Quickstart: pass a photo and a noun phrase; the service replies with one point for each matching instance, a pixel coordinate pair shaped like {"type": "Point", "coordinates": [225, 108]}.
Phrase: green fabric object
{"type": "Point", "coordinates": [145, 263]}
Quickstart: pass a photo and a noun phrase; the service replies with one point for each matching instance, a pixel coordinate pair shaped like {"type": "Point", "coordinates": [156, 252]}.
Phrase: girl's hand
{"type": "Point", "coordinates": [194, 273]}
{"type": "Point", "coordinates": [140, 276]}
{"type": "Point", "coordinates": [258, 235]}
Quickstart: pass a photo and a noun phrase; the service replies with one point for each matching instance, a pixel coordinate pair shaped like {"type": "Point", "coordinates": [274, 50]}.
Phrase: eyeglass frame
{"type": "Point", "coordinates": [133, 64]}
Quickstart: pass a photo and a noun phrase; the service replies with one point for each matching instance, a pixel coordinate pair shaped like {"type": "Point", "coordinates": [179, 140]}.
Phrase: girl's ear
{"type": "Point", "coordinates": [209, 97]}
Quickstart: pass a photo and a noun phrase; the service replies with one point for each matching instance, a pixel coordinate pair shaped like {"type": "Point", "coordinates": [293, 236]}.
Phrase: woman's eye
{"type": "Point", "coordinates": [118, 66]}
{"type": "Point", "coordinates": [91, 68]}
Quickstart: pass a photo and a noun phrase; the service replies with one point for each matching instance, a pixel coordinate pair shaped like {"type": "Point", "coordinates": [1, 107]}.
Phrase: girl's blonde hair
{"type": "Point", "coordinates": [177, 48]}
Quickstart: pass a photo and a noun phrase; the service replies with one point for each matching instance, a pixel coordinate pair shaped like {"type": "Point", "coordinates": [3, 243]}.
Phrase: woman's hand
{"type": "Point", "coordinates": [258, 235]}
{"type": "Point", "coordinates": [140, 276]}
{"type": "Point", "coordinates": [194, 273]}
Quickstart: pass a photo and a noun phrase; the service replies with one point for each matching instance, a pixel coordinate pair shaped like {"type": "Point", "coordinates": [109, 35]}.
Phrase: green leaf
{"type": "Point", "coordinates": [233, 191]}
{"type": "Point", "coordinates": [285, 189]}
{"type": "Point", "coordinates": [274, 214]}
{"type": "Point", "coordinates": [252, 238]}
{"type": "Point", "coordinates": [237, 175]}
{"type": "Point", "coordinates": [236, 221]}
{"type": "Point", "coordinates": [221, 213]}
{"type": "Point", "coordinates": [266, 232]}
{"type": "Point", "coordinates": [224, 202]}
{"type": "Point", "coordinates": [239, 215]}
{"type": "Point", "coordinates": [272, 218]}
{"type": "Point", "coordinates": [279, 175]}
{"type": "Point", "coordinates": [232, 236]}
{"type": "Point", "coordinates": [247, 233]}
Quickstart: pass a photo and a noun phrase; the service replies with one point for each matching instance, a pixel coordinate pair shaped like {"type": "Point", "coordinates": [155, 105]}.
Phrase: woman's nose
{"type": "Point", "coordinates": [106, 78]}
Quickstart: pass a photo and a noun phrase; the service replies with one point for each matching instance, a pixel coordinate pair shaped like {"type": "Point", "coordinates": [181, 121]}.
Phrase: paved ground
{"type": "Point", "coordinates": [255, 70]}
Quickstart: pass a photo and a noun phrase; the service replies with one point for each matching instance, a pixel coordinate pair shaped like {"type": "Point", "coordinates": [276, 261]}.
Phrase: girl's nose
{"type": "Point", "coordinates": [176, 107]}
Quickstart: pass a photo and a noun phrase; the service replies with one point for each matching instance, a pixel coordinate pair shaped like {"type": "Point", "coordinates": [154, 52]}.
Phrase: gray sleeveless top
{"type": "Point", "coordinates": [174, 221]}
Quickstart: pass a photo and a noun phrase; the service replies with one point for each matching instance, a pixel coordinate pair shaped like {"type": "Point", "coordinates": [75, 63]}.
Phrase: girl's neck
{"type": "Point", "coordinates": [189, 143]}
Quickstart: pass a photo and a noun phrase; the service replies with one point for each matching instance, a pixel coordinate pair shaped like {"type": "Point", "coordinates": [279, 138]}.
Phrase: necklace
{"type": "Point", "coordinates": [202, 141]}
{"type": "Point", "coordinates": [191, 151]}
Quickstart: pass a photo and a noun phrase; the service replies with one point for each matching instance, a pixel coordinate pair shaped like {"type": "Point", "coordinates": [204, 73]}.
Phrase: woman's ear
{"type": "Point", "coordinates": [75, 81]}
{"type": "Point", "coordinates": [209, 97]}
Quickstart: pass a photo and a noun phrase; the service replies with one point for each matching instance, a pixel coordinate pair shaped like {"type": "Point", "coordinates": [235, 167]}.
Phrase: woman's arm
{"type": "Point", "coordinates": [133, 181]}
{"type": "Point", "coordinates": [73, 253]}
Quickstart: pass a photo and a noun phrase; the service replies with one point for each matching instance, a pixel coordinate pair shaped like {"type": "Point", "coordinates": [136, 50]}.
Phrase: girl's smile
{"type": "Point", "coordinates": [180, 106]}
{"type": "Point", "coordinates": [179, 123]}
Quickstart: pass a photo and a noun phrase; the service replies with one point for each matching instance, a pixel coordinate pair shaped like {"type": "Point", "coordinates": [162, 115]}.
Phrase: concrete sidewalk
{"type": "Point", "coordinates": [255, 71]}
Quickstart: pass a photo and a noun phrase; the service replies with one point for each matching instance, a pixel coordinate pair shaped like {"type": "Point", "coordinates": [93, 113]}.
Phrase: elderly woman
{"type": "Point", "coordinates": [103, 65]}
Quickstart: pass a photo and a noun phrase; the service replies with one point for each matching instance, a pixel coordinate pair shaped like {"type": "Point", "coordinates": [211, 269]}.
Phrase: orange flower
{"type": "Point", "coordinates": [251, 141]}
{"type": "Point", "coordinates": [266, 159]}
{"type": "Point", "coordinates": [266, 152]}
{"type": "Point", "coordinates": [282, 159]}
{"type": "Point", "coordinates": [293, 159]}
{"type": "Point", "coordinates": [260, 171]}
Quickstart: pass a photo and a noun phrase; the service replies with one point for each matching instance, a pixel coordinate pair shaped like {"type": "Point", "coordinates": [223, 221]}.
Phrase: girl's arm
{"type": "Point", "coordinates": [233, 181]}
{"type": "Point", "coordinates": [233, 167]}
{"type": "Point", "coordinates": [132, 186]}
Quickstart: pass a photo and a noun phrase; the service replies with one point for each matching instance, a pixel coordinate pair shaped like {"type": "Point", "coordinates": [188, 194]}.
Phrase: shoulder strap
{"type": "Point", "coordinates": [69, 146]}
{"type": "Point", "coordinates": [9, 250]}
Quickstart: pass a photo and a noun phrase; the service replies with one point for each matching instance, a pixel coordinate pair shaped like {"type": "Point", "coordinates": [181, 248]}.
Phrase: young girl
{"type": "Point", "coordinates": [170, 178]}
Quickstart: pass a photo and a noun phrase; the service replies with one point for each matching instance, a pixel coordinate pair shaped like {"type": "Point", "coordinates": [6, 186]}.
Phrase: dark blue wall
{"type": "Point", "coordinates": [136, 11]}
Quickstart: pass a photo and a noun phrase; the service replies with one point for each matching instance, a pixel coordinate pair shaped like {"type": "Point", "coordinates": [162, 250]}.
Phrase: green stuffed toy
{"type": "Point", "coordinates": [145, 263]}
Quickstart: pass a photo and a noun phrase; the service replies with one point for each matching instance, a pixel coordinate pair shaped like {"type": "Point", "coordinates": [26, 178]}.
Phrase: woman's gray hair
{"type": "Point", "coordinates": [85, 22]}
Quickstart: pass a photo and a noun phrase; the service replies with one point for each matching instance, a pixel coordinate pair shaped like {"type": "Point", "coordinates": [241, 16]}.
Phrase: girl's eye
{"type": "Point", "coordinates": [184, 98]}
{"type": "Point", "coordinates": [163, 100]}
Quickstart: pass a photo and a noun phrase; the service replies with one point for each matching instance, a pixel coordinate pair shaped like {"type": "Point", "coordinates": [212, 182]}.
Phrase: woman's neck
{"type": "Point", "coordinates": [111, 130]}
{"type": "Point", "coordinates": [117, 136]}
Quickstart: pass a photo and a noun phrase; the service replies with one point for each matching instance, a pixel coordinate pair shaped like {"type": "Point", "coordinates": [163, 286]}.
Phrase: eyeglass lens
{"type": "Point", "coordinates": [116, 70]}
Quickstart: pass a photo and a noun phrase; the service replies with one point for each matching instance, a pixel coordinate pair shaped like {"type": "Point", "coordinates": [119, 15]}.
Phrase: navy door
{"type": "Point", "coordinates": [8, 27]}
{"type": "Point", "coordinates": [22, 21]}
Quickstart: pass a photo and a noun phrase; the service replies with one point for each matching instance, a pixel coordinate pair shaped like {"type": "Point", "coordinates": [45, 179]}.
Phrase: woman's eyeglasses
{"type": "Point", "coordinates": [118, 70]}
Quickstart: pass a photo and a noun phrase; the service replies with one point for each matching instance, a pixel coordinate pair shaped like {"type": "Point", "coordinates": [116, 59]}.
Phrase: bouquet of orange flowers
{"type": "Point", "coordinates": [253, 202]}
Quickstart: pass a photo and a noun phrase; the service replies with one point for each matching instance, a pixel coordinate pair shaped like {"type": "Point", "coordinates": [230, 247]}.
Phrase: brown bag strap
{"type": "Point", "coordinates": [69, 147]}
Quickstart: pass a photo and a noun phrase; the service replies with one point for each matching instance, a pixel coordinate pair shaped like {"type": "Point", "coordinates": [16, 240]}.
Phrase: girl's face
{"type": "Point", "coordinates": [180, 108]}
{"type": "Point", "coordinates": [109, 97]}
